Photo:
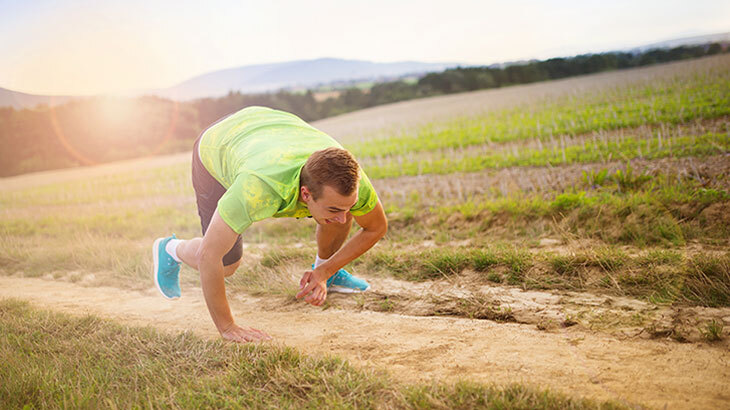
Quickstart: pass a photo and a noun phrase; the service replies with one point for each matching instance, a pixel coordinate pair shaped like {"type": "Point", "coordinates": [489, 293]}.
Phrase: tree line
{"type": "Point", "coordinates": [102, 129]}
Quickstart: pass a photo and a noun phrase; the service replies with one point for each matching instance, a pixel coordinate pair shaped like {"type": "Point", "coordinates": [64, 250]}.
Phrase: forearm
{"type": "Point", "coordinates": [214, 290]}
{"type": "Point", "coordinates": [352, 249]}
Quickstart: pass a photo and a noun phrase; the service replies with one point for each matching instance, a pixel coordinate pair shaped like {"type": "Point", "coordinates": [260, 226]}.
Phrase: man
{"type": "Point", "coordinates": [260, 163]}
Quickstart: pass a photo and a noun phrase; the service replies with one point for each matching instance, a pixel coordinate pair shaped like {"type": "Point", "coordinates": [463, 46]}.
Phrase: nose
{"type": "Point", "coordinates": [340, 218]}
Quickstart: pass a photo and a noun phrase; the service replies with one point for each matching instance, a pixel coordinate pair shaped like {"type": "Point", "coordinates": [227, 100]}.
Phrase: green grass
{"type": "Point", "coordinates": [443, 262]}
{"type": "Point", "coordinates": [675, 101]}
{"type": "Point", "coordinates": [658, 275]}
{"type": "Point", "coordinates": [712, 331]}
{"type": "Point", "coordinates": [663, 209]}
{"type": "Point", "coordinates": [99, 229]}
{"type": "Point", "coordinates": [583, 152]}
{"type": "Point", "coordinates": [708, 280]}
{"type": "Point", "coordinates": [54, 360]}
{"type": "Point", "coordinates": [111, 239]}
{"type": "Point", "coordinates": [104, 224]}
{"type": "Point", "coordinates": [604, 259]}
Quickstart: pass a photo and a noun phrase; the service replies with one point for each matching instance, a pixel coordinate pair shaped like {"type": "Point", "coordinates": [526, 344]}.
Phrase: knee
{"type": "Point", "coordinates": [231, 269]}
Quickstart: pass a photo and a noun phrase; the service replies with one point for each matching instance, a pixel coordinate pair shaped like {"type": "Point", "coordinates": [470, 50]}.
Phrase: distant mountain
{"type": "Point", "coordinates": [686, 41]}
{"type": "Point", "coordinates": [18, 100]}
{"type": "Point", "coordinates": [301, 74]}
{"type": "Point", "coordinates": [293, 74]}
{"type": "Point", "coordinates": [260, 78]}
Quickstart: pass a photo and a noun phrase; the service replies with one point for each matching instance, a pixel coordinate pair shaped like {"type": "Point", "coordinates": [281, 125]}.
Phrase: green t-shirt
{"type": "Point", "coordinates": [257, 154]}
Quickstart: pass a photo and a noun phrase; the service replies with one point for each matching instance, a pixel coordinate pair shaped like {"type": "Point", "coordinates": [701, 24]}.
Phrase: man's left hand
{"type": "Point", "coordinates": [313, 285]}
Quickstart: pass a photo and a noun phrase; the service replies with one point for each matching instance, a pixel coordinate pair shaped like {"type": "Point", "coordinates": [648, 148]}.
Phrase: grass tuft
{"type": "Point", "coordinates": [712, 332]}
{"type": "Point", "coordinates": [436, 263]}
{"type": "Point", "coordinates": [476, 306]}
{"type": "Point", "coordinates": [280, 256]}
{"type": "Point", "coordinates": [609, 259]}
{"type": "Point", "coordinates": [708, 280]}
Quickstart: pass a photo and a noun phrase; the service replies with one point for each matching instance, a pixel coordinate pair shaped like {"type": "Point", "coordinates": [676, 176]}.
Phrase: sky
{"type": "Point", "coordinates": [82, 47]}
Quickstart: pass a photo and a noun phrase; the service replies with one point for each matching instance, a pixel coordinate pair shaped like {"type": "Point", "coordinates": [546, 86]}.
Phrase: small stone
{"type": "Point", "coordinates": [549, 242]}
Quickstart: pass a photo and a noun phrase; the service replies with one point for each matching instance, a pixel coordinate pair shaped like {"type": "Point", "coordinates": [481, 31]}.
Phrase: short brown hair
{"type": "Point", "coordinates": [331, 166]}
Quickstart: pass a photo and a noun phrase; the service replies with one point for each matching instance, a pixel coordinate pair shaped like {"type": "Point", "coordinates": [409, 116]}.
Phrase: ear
{"type": "Point", "coordinates": [305, 194]}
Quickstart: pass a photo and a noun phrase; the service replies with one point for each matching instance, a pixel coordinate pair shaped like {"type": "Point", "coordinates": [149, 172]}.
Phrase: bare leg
{"type": "Point", "coordinates": [330, 237]}
{"type": "Point", "coordinates": [231, 269]}
{"type": "Point", "coordinates": [187, 251]}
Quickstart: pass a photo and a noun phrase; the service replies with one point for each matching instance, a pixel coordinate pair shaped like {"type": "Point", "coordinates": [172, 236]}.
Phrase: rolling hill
{"type": "Point", "coordinates": [293, 74]}
{"type": "Point", "coordinates": [300, 74]}
{"type": "Point", "coordinates": [18, 100]}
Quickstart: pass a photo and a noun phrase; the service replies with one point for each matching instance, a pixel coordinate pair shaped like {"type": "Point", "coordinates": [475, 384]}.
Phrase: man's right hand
{"type": "Point", "coordinates": [240, 334]}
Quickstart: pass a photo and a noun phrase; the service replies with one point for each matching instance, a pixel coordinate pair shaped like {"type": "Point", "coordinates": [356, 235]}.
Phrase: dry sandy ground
{"type": "Point", "coordinates": [656, 373]}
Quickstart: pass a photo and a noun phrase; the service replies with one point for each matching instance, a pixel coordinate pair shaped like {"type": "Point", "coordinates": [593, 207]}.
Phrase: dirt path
{"type": "Point", "coordinates": [635, 371]}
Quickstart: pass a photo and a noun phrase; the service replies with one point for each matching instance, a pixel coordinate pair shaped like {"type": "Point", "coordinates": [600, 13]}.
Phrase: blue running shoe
{"type": "Point", "coordinates": [343, 282]}
{"type": "Point", "coordinates": [166, 270]}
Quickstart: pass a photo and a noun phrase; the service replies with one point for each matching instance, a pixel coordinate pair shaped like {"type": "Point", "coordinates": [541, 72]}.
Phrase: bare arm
{"type": "Point", "coordinates": [218, 240]}
{"type": "Point", "coordinates": [374, 225]}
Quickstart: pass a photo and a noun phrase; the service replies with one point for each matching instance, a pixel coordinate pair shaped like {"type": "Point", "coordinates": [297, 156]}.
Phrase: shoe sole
{"type": "Point", "coordinates": [342, 289]}
{"type": "Point", "coordinates": [155, 263]}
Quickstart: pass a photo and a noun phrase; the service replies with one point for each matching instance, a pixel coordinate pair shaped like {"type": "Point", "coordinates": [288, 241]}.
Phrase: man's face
{"type": "Point", "coordinates": [330, 207]}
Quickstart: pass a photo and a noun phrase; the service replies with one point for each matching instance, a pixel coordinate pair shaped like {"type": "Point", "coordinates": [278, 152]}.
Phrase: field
{"type": "Point", "coordinates": [569, 235]}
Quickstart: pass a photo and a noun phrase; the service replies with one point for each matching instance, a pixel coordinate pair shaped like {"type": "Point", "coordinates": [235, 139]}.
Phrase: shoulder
{"type": "Point", "coordinates": [252, 189]}
{"type": "Point", "coordinates": [367, 198]}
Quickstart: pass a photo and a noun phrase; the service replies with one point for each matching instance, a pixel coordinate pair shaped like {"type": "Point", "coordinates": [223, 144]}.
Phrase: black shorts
{"type": "Point", "coordinates": [207, 193]}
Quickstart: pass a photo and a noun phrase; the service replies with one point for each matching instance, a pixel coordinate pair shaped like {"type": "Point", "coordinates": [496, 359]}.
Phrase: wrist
{"type": "Point", "coordinates": [324, 271]}
{"type": "Point", "coordinates": [226, 327]}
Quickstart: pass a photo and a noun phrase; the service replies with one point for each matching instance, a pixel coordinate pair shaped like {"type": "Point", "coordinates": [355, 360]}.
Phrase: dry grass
{"type": "Point", "coordinates": [59, 361]}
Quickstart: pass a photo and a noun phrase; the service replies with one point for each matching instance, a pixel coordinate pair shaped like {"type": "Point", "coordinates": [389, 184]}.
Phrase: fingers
{"type": "Point", "coordinates": [323, 296]}
{"type": "Point", "coordinates": [305, 278]}
{"type": "Point", "coordinates": [251, 335]}
{"type": "Point", "coordinates": [238, 338]}
{"type": "Point", "coordinates": [317, 297]}
{"type": "Point", "coordinates": [311, 297]}
{"type": "Point", "coordinates": [314, 291]}
{"type": "Point", "coordinates": [246, 335]}
{"type": "Point", "coordinates": [306, 289]}
{"type": "Point", "coordinates": [260, 336]}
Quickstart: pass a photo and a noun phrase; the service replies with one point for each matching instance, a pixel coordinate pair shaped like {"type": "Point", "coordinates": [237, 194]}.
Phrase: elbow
{"type": "Point", "coordinates": [377, 233]}
{"type": "Point", "coordinates": [383, 229]}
